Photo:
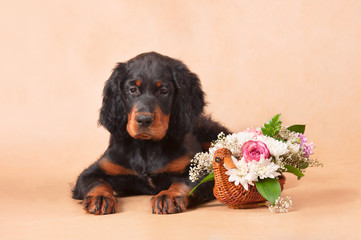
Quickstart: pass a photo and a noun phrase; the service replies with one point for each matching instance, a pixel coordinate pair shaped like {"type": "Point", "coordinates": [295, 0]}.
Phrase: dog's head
{"type": "Point", "coordinates": [151, 96]}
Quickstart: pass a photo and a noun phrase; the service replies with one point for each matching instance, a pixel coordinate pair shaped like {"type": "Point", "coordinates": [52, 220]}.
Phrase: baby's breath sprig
{"type": "Point", "coordinates": [201, 165]}
{"type": "Point", "coordinates": [281, 205]}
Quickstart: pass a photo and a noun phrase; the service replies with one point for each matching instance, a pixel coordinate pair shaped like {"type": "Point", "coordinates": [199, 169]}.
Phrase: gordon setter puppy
{"type": "Point", "coordinates": [153, 108]}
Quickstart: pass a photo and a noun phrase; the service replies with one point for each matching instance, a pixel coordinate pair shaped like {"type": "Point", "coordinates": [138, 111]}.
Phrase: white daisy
{"type": "Point", "coordinates": [275, 147]}
{"type": "Point", "coordinates": [264, 168]}
{"type": "Point", "coordinates": [240, 174]}
{"type": "Point", "coordinates": [293, 147]}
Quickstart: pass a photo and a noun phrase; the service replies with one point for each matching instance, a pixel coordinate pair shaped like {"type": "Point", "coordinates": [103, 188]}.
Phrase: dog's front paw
{"type": "Point", "coordinates": [100, 205]}
{"type": "Point", "coordinates": [168, 202]}
{"type": "Point", "coordinates": [100, 200]}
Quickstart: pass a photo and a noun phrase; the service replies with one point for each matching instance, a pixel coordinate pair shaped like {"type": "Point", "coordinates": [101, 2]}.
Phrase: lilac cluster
{"type": "Point", "coordinates": [307, 148]}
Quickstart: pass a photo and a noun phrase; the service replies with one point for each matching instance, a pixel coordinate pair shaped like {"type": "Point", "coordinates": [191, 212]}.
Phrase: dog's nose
{"type": "Point", "coordinates": [144, 120]}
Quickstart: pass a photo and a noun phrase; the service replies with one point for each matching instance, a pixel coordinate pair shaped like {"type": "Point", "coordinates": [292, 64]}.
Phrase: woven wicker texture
{"type": "Point", "coordinates": [227, 192]}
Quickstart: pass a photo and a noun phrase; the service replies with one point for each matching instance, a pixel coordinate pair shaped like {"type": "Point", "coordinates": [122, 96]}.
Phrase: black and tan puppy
{"type": "Point", "coordinates": [153, 109]}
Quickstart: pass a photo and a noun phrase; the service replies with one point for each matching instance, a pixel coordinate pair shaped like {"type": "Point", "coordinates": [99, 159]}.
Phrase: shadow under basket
{"type": "Point", "coordinates": [236, 196]}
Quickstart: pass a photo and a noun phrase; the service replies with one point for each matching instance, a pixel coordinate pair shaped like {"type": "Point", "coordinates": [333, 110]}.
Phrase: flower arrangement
{"type": "Point", "coordinates": [260, 156]}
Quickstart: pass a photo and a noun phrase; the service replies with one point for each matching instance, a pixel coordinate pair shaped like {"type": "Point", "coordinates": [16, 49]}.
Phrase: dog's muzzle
{"type": "Point", "coordinates": [147, 125]}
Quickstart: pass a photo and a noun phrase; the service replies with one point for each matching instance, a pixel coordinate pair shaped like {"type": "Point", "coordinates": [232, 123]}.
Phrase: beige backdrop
{"type": "Point", "coordinates": [255, 59]}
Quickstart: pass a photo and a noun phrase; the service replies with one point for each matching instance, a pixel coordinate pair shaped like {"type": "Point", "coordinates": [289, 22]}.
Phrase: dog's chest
{"type": "Point", "coordinates": [149, 164]}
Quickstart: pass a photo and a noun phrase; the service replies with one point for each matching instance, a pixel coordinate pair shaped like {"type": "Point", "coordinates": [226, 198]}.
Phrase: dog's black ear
{"type": "Point", "coordinates": [189, 100]}
{"type": "Point", "coordinates": [113, 114]}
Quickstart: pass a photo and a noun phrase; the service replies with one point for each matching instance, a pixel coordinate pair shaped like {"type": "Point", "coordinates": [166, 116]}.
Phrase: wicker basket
{"type": "Point", "coordinates": [227, 192]}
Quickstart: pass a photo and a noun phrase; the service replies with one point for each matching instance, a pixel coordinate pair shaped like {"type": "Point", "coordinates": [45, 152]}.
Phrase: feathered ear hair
{"type": "Point", "coordinates": [189, 101]}
{"type": "Point", "coordinates": [113, 114]}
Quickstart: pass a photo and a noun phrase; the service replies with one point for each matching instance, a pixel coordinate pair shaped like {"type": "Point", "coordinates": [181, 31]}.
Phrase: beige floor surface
{"type": "Point", "coordinates": [323, 208]}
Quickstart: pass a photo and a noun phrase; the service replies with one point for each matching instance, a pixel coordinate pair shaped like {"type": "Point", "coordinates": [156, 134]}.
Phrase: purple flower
{"type": "Point", "coordinates": [307, 148]}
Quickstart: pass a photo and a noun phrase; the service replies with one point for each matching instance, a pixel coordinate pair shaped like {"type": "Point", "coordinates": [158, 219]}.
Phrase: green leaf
{"type": "Point", "coordinates": [294, 170]}
{"type": "Point", "coordinates": [269, 188]}
{"type": "Point", "coordinates": [209, 177]}
{"type": "Point", "coordinates": [273, 126]}
{"type": "Point", "coordinates": [266, 132]}
{"type": "Point", "coordinates": [276, 118]}
{"type": "Point", "coordinates": [297, 128]}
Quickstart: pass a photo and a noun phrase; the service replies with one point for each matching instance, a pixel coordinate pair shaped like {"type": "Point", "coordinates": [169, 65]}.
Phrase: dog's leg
{"type": "Point", "coordinates": [172, 200]}
{"type": "Point", "coordinates": [100, 200]}
{"type": "Point", "coordinates": [95, 191]}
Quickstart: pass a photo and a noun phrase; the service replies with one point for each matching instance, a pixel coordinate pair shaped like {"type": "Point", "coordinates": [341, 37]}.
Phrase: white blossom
{"type": "Point", "coordinates": [264, 168]}
{"type": "Point", "coordinates": [293, 147]}
{"type": "Point", "coordinates": [233, 142]}
{"type": "Point", "coordinates": [248, 173]}
{"type": "Point", "coordinates": [275, 147]}
{"type": "Point", "coordinates": [240, 174]}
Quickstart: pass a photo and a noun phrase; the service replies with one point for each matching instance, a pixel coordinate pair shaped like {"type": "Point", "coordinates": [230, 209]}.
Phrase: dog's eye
{"type": "Point", "coordinates": [133, 90]}
{"type": "Point", "coordinates": [164, 91]}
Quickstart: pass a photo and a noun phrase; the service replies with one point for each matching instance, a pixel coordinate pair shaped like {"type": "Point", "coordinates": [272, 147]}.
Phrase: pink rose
{"type": "Point", "coordinates": [252, 150]}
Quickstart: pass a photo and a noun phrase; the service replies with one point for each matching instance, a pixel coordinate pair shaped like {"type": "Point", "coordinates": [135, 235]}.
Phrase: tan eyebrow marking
{"type": "Point", "coordinates": [138, 83]}
{"type": "Point", "coordinates": [159, 83]}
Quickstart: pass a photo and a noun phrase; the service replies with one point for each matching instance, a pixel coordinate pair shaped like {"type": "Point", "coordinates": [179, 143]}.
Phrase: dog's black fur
{"type": "Point", "coordinates": [153, 108]}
